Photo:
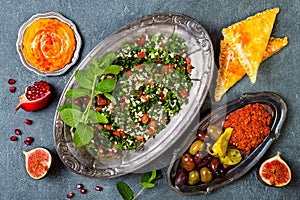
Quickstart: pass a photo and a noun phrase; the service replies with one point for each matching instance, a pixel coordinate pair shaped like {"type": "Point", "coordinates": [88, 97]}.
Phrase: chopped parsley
{"type": "Point", "coordinates": [138, 91]}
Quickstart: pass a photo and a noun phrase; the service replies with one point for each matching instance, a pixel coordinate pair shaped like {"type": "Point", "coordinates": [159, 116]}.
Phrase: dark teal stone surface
{"type": "Point", "coordinates": [95, 20]}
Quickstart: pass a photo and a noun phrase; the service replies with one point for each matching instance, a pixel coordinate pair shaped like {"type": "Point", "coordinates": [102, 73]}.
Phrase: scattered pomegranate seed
{"type": "Point", "coordinates": [12, 89]}
{"type": "Point", "coordinates": [83, 191]}
{"type": "Point", "coordinates": [13, 138]}
{"type": "Point", "coordinates": [70, 195]}
{"type": "Point", "coordinates": [28, 121]}
{"type": "Point", "coordinates": [11, 81]}
{"type": "Point", "coordinates": [98, 188]}
{"type": "Point", "coordinates": [18, 132]}
{"type": "Point", "coordinates": [29, 140]}
{"type": "Point", "coordinates": [79, 186]}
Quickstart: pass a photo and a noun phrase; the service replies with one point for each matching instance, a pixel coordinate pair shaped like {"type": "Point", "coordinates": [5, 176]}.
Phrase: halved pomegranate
{"type": "Point", "coordinates": [38, 162]}
{"type": "Point", "coordinates": [35, 97]}
{"type": "Point", "coordinates": [275, 172]}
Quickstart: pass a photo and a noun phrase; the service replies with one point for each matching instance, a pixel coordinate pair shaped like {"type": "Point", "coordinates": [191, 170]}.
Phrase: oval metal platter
{"type": "Point", "coordinates": [152, 156]}
{"type": "Point", "coordinates": [271, 102]}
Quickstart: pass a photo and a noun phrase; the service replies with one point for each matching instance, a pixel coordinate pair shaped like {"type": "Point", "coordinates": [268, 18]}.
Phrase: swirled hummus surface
{"type": "Point", "coordinates": [49, 44]}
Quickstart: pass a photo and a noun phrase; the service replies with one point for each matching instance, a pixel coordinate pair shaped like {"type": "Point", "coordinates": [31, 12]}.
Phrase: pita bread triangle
{"type": "Point", "coordinates": [249, 39]}
{"type": "Point", "coordinates": [231, 71]}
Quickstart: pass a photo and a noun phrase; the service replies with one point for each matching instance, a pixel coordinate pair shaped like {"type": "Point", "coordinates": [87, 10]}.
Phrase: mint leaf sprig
{"type": "Point", "coordinates": [92, 81]}
{"type": "Point", "coordinates": [147, 182]}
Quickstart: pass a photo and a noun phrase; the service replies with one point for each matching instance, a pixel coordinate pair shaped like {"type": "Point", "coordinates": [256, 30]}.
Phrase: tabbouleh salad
{"type": "Point", "coordinates": [133, 96]}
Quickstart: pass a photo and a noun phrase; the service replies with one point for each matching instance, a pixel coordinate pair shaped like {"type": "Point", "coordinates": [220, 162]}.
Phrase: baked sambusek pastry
{"type": "Point", "coordinates": [249, 39]}
{"type": "Point", "coordinates": [231, 71]}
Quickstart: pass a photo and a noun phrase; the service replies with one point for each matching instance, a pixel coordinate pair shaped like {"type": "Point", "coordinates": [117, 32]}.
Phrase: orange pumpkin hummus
{"type": "Point", "coordinates": [49, 44]}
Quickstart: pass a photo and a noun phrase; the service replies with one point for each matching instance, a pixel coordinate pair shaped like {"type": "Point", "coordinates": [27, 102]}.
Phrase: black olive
{"type": "Point", "coordinates": [181, 177]}
{"type": "Point", "coordinates": [220, 172]}
{"type": "Point", "coordinates": [205, 161]}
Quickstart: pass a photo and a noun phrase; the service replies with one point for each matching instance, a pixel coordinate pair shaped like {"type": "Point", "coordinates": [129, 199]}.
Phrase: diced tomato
{"type": "Point", "coordinates": [101, 100]}
{"type": "Point", "coordinates": [100, 148]}
{"type": "Point", "coordinates": [177, 57]}
{"type": "Point", "coordinates": [119, 133]}
{"type": "Point", "coordinates": [139, 138]}
{"type": "Point", "coordinates": [123, 105]}
{"type": "Point", "coordinates": [139, 67]}
{"type": "Point", "coordinates": [162, 98]}
{"type": "Point", "coordinates": [100, 126]}
{"type": "Point", "coordinates": [152, 123]}
{"type": "Point", "coordinates": [189, 68]}
{"type": "Point", "coordinates": [107, 127]}
{"type": "Point", "coordinates": [140, 94]}
{"type": "Point", "coordinates": [188, 60]}
{"type": "Point", "coordinates": [183, 93]}
{"type": "Point", "coordinates": [98, 108]}
{"type": "Point", "coordinates": [141, 54]}
{"type": "Point", "coordinates": [167, 67]}
{"type": "Point", "coordinates": [110, 154]}
{"type": "Point", "coordinates": [164, 120]}
{"type": "Point", "coordinates": [146, 97]}
{"type": "Point", "coordinates": [141, 41]}
{"type": "Point", "coordinates": [145, 118]}
{"type": "Point", "coordinates": [151, 131]}
{"type": "Point", "coordinates": [129, 73]}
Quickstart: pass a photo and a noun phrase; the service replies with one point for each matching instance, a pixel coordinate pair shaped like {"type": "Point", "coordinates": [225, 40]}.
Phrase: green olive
{"type": "Point", "coordinates": [193, 177]}
{"type": "Point", "coordinates": [187, 162]}
{"type": "Point", "coordinates": [195, 147]}
{"type": "Point", "coordinates": [206, 175]}
{"type": "Point", "coordinates": [214, 131]}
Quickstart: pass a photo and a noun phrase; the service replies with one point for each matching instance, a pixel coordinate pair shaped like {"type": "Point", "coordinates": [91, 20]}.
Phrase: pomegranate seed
{"type": "Point", "coordinates": [12, 89]}
{"type": "Point", "coordinates": [79, 186]}
{"type": "Point", "coordinates": [28, 140]}
{"type": "Point", "coordinates": [13, 138]}
{"type": "Point", "coordinates": [37, 91]}
{"type": "Point", "coordinates": [18, 132]}
{"type": "Point", "coordinates": [28, 121]}
{"type": "Point", "coordinates": [83, 191]}
{"type": "Point", "coordinates": [98, 188]}
{"type": "Point", "coordinates": [11, 81]}
{"type": "Point", "coordinates": [70, 195]}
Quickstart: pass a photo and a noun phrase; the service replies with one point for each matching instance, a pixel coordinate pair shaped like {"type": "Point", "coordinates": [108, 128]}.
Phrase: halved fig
{"type": "Point", "coordinates": [38, 162]}
{"type": "Point", "coordinates": [275, 172]}
{"type": "Point", "coordinates": [35, 97]}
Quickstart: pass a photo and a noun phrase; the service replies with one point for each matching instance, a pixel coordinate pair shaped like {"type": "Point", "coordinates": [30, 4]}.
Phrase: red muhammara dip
{"type": "Point", "coordinates": [251, 124]}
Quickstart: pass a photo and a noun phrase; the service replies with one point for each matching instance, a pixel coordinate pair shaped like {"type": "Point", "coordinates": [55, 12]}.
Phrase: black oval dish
{"type": "Point", "coordinates": [271, 102]}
